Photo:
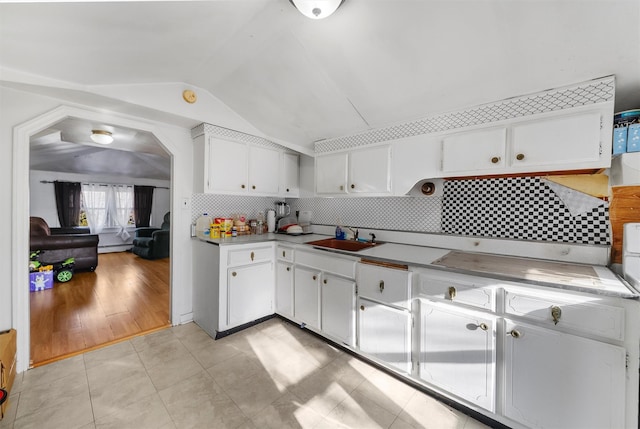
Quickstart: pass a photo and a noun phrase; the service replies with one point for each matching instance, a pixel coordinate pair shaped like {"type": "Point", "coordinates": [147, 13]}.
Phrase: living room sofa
{"type": "Point", "coordinates": [58, 244]}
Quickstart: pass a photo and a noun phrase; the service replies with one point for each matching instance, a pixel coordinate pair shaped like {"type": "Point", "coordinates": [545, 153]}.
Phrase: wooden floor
{"type": "Point", "coordinates": [124, 297]}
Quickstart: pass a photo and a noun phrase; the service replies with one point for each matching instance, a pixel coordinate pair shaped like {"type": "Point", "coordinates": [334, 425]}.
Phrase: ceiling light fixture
{"type": "Point", "coordinates": [101, 136]}
{"type": "Point", "coordinates": [316, 9]}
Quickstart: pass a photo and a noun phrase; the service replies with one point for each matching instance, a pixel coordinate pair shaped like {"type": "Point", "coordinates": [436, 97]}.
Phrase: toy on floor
{"type": "Point", "coordinates": [62, 270]}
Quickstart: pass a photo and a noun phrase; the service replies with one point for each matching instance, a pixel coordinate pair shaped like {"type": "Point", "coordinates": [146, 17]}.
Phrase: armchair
{"type": "Point", "coordinates": [58, 244]}
{"type": "Point", "coordinates": [153, 243]}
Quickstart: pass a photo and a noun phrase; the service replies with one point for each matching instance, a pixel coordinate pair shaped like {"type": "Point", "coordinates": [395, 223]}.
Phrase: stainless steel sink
{"type": "Point", "coordinates": [349, 245]}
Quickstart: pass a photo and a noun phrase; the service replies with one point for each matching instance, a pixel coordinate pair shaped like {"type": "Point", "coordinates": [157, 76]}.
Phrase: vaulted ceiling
{"type": "Point", "coordinates": [373, 63]}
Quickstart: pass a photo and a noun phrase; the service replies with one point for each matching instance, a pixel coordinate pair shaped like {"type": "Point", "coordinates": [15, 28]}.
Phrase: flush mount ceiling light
{"type": "Point", "coordinates": [316, 9]}
{"type": "Point", "coordinates": [101, 136]}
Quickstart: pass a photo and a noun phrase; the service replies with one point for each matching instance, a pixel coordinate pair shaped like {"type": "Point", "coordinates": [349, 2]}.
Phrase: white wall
{"type": "Point", "coordinates": [18, 112]}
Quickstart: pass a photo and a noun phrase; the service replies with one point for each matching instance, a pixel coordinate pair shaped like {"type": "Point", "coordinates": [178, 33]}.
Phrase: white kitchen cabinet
{"type": "Point", "coordinates": [306, 294]}
{"type": "Point", "coordinates": [478, 150]}
{"type": "Point", "coordinates": [284, 289]}
{"type": "Point", "coordinates": [290, 175]}
{"type": "Point", "coordinates": [384, 333]}
{"type": "Point", "coordinates": [227, 166]}
{"type": "Point", "coordinates": [357, 172]}
{"type": "Point", "coordinates": [458, 352]}
{"type": "Point", "coordinates": [249, 297]}
{"type": "Point", "coordinates": [331, 173]}
{"type": "Point", "coordinates": [338, 303]}
{"type": "Point", "coordinates": [573, 140]}
{"type": "Point", "coordinates": [387, 285]}
{"type": "Point", "coordinates": [558, 380]}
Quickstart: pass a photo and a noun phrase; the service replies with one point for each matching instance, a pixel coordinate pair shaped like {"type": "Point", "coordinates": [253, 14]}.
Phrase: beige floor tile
{"type": "Point", "coordinates": [287, 412]}
{"type": "Point", "coordinates": [17, 383]}
{"type": "Point", "coordinates": [423, 411]}
{"type": "Point", "coordinates": [155, 339]}
{"type": "Point", "coordinates": [108, 354]}
{"type": "Point", "coordinates": [344, 373]}
{"type": "Point", "coordinates": [326, 423]}
{"type": "Point", "coordinates": [358, 411]}
{"type": "Point", "coordinates": [228, 372]}
{"type": "Point", "coordinates": [291, 370]}
{"type": "Point", "coordinates": [170, 372]}
{"type": "Point", "coordinates": [401, 424]}
{"type": "Point", "coordinates": [254, 394]}
{"type": "Point", "coordinates": [198, 402]}
{"type": "Point", "coordinates": [70, 414]}
{"type": "Point", "coordinates": [386, 391]}
{"type": "Point", "coordinates": [112, 371]}
{"type": "Point", "coordinates": [320, 393]}
{"type": "Point", "coordinates": [185, 330]}
{"type": "Point", "coordinates": [159, 354]}
{"type": "Point", "coordinates": [52, 394]}
{"type": "Point", "coordinates": [474, 424]}
{"type": "Point", "coordinates": [196, 340]}
{"type": "Point", "coordinates": [55, 371]}
{"type": "Point", "coordinates": [315, 350]}
{"type": "Point", "coordinates": [213, 353]}
{"type": "Point", "coordinates": [110, 398]}
{"type": "Point", "coordinates": [147, 413]}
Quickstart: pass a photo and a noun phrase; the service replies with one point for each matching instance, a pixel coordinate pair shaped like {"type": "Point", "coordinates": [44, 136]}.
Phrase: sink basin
{"type": "Point", "coordinates": [349, 245]}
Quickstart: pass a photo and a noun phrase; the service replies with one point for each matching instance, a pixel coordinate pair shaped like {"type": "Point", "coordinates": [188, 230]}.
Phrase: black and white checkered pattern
{"type": "Point", "coordinates": [518, 208]}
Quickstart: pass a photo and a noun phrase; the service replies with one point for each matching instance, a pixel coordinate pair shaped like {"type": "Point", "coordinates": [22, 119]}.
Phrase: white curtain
{"type": "Point", "coordinates": [120, 208]}
{"type": "Point", "coordinates": [95, 199]}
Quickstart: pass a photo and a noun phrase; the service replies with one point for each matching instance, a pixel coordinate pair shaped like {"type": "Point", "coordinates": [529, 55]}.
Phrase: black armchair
{"type": "Point", "coordinates": [153, 243]}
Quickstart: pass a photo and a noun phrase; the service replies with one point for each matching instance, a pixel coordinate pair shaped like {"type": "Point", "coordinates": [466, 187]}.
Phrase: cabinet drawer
{"type": "Point", "coordinates": [250, 255]}
{"type": "Point", "coordinates": [285, 253]}
{"type": "Point", "coordinates": [342, 265]}
{"type": "Point", "coordinates": [567, 311]}
{"type": "Point", "coordinates": [457, 289]}
{"type": "Point", "coordinates": [388, 285]}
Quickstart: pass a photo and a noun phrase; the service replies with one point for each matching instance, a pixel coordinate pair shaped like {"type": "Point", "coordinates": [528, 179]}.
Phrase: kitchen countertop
{"type": "Point", "coordinates": [598, 280]}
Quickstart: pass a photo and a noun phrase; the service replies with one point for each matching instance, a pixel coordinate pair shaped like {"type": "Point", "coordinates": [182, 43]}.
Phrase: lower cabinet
{"type": "Point", "coordinates": [458, 352]}
{"type": "Point", "coordinates": [385, 333]}
{"type": "Point", "coordinates": [306, 294]}
{"type": "Point", "coordinates": [338, 298]}
{"type": "Point", "coordinates": [284, 289]}
{"type": "Point", "coordinates": [559, 380]}
{"type": "Point", "coordinates": [249, 298]}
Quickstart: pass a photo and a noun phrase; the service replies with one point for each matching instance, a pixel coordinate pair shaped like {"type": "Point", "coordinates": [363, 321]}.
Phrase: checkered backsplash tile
{"type": "Point", "coordinates": [515, 208]}
{"type": "Point", "coordinates": [518, 208]}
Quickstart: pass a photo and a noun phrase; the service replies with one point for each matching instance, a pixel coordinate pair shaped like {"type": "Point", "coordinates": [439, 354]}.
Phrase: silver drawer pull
{"type": "Point", "coordinates": [452, 292]}
{"type": "Point", "coordinates": [483, 326]}
{"type": "Point", "coordinates": [381, 286]}
{"type": "Point", "coordinates": [556, 313]}
{"type": "Point", "coordinates": [514, 333]}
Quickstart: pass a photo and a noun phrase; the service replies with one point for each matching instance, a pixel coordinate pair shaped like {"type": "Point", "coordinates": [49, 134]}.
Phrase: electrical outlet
{"type": "Point", "coordinates": [186, 204]}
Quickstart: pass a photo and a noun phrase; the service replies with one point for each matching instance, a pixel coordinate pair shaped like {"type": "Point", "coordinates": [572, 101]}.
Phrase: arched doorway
{"type": "Point", "coordinates": [20, 208]}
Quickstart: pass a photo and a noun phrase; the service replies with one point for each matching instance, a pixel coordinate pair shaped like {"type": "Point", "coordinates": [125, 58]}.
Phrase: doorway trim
{"type": "Point", "coordinates": [21, 317]}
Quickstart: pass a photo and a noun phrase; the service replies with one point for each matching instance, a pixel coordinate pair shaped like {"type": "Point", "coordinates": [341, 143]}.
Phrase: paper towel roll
{"type": "Point", "coordinates": [271, 221]}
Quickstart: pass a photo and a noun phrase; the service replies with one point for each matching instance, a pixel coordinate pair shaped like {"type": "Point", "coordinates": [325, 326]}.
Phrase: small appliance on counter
{"type": "Point", "coordinates": [631, 254]}
{"type": "Point", "coordinates": [304, 220]}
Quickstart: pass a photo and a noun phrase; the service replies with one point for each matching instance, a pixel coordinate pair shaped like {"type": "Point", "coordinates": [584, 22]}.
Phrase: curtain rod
{"type": "Point", "coordinates": [109, 184]}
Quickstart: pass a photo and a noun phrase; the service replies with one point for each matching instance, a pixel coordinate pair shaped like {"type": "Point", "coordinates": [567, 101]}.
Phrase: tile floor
{"type": "Point", "coordinates": [272, 375]}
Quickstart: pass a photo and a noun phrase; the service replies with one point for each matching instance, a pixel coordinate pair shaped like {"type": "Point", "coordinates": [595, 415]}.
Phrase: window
{"type": "Point", "coordinates": [106, 206]}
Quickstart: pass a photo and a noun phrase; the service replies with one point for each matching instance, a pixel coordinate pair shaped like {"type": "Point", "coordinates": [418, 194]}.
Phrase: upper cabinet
{"type": "Point", "coordinates": [570, 141]}
{"type": "Point", "coordinates": [358, 172]}
{"type": "Point", "coordinates": [224, 166]}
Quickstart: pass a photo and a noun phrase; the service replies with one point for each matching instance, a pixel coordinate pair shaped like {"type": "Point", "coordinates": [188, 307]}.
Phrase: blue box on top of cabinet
{"type": "Point", "coordinates": [633, 138]}
{"type": "Point", "coordinates": [619, 140]}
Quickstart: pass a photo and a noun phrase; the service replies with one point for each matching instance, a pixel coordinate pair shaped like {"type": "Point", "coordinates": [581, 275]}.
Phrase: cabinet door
{"type": "Point", "coordinates": [291, 175]}
{"type": "Point", "coordinates": [557, 380]}
{"type": "Point", "coordinates": [370, 170]}
{"type": "Point", "coordinates": [264, 170]}
{"type": "Point", "coordinates": [306, 306]}
{"type": "Point", "coordinates": [227, 166]}
{"type": "Point", "coordinates": [284, 289]}
{"type": "Point", "coordinates": [384, 332]}
{"type": "Point", "coordinates": [338, 308]}
{"type": "Point", "coordinates": [475, 150]}
{"type": "Point", "coordinates": [249, 293]}
{"type": "Point", "coordinates": [564, 140]}
{"type": "Point", "coordinates": [458, 352]}
{"type": "Point", "coordinates": [331, 174]}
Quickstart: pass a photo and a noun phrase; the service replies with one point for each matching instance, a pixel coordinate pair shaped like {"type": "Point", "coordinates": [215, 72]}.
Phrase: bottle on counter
{"type": "Point", "coordinates": [340, 235]}
{"type": "Point", "coordinates": [203, 224]}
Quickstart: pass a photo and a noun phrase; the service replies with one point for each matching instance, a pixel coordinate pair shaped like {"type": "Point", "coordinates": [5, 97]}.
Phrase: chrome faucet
{"type": "Point", "coordinates": [373, 237]}
{"type": "Point", "coordinates": [355, 233]}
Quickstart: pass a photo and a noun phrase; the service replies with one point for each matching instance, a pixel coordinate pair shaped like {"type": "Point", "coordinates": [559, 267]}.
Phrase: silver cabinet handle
{"type": "Point", "coordinates": [556, 313]}
{"type": "Point", "coordinates": [381, 286]}
{"type": "Point", "coordinates": [514, 333]}
{"type": "Point", "coordinates": [483, 326]}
